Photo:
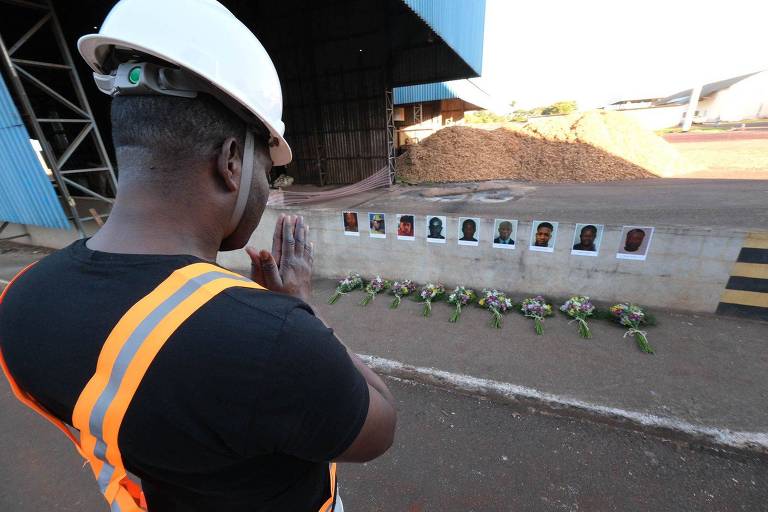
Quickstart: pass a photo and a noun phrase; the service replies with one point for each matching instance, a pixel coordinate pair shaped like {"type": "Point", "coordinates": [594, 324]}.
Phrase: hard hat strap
{"type": "Point", "coordinates": [246, 175]}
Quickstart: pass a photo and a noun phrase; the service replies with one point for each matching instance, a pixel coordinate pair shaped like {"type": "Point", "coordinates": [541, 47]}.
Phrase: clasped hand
{"type": "Point", "coordinates": [288, 268]}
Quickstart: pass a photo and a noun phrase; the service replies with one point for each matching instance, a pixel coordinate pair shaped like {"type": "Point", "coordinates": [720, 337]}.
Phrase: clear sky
{"type": "Point", "coordinates": [599, 51]}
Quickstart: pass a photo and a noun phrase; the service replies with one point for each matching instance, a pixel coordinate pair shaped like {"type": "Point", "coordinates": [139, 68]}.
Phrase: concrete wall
{"type": "Point", "coordinates": [686, 268]}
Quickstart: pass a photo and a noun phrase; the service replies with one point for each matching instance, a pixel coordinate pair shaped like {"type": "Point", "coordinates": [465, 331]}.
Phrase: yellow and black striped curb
{"type": "Point", "coordinates": [746, 293]}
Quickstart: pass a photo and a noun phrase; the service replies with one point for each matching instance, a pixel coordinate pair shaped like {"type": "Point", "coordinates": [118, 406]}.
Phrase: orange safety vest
{"type": "Point", "coordinates": [123, 361]}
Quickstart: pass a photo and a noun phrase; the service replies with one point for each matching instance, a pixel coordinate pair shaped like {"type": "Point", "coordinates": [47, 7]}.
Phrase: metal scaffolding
{"type": "Point", "coordinates": [70, 181]}
{"type": "Point", "coordinates": [390, 135]}
{"type": "Point", "coordinates": [417, 114]}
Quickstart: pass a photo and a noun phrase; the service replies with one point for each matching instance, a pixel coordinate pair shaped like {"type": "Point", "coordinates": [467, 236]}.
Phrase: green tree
{"type": "Point", "coordinates": [560, 107]}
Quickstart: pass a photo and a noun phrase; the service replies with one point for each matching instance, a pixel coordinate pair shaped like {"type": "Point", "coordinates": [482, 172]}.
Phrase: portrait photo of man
{"type": "Point", "coordinates": [405, 227]}
{"type": "Point", "coordinates": [505, 232]}
{"type": "Point", "coordinates": [587, 239]}
{"type": "Point", "coordinates": [468, 231]}
{"type": "Point", "coordinates": [377, 225]}
{"type": "Point", "coordinates": [349, 221]}
{"type": "Point", "coordinates": [543, 236]}
{"type": "Point", "coordinates": [436, 229]}
{"type": "Point", "coordinates": [634, 242]}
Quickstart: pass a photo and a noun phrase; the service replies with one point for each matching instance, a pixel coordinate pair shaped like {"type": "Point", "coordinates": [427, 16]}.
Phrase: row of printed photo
{"type": "Point", "coordinates": [587, 238]}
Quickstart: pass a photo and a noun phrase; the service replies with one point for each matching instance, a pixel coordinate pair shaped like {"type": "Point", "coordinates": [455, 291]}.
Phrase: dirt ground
{"type": "Point", "coordinates": [722, 158]}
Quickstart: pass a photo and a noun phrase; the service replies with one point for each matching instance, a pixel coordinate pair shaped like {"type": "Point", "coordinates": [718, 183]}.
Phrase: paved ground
{"type": "Point", "coordinates": [455, 453]}
{"type": "Point", "coordinates": [452, 454]}
{"type": "Point", "coordinates": [753, 132]}
{"type": "Point", "coordinates": [727, 156]}
{"type": "Point", "coordinates": [707, 370]}
{"type": "Point", "coordinates": [14, 257]}
{"type": "Point", "coordinates": [737, 204]}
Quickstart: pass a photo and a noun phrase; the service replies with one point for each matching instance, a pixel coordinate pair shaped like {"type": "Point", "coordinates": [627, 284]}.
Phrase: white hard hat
{"type": "Point", "coordinates": [203, 38]}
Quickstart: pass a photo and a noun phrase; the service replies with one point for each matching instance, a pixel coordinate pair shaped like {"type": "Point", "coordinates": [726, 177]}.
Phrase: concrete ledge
{"type": "Point", "coordinates": [705, 437]}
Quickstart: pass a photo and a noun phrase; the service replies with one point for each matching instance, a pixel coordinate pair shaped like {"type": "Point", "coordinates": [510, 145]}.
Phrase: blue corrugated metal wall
{"type": "Point", "coordinates": [26, 194]}
{"type": "Point", "coordinates": [423, 93]}
{"type": "Point", "coordinates": [460, 23]}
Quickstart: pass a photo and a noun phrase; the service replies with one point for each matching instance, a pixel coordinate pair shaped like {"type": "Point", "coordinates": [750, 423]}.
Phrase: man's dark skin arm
{"type": "Point", "coordinates": [288, 269]}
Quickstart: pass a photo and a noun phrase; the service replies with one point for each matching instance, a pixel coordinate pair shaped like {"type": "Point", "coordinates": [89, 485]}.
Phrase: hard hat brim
{"type": "Point", "coordinates": [93, 49]}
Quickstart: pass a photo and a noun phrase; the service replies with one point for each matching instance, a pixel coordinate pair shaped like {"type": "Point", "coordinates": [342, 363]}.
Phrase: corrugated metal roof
{"type": "Point", "coordinates": [423, 93]}
{"type": "Point", "coordinates": [26, 194]}
{"type": "Point", "coordinates": [460, 23]}
{"type": "Point", "coordinates": [466, 90]}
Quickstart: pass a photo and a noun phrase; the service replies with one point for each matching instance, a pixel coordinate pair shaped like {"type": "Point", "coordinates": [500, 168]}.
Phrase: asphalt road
{"type": "Point", "coordinates": [456, 453]}
{"type": "Point", "coordinates": [452, 453]}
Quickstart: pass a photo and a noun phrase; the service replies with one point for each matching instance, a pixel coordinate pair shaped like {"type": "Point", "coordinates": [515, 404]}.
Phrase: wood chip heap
{"type": "Point", "coordinates": [586, 147]}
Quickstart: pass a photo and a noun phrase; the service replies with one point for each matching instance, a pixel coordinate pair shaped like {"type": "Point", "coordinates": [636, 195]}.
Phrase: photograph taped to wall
{"type": "Point", "coordinates": [587, 239]}
{"type": "Point", "coordinates": [377, 225]}
{"type": "Point", "coordinates": [504, 233]}
{"type": "Point", "coordinates": [436, 231]}
{"type": "Point", "coordinates": [469, 231]}
{"type": "Point", "coordinates": [406, 226]}
{"type": "Point", "coordinates": [349, 221]}
{"type": "Point", "coordinates": [634, 242]}
{"type": "Point", "coordinates": [543, 236]}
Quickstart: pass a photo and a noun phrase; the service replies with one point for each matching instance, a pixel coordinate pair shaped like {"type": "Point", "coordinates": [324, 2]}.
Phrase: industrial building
{"type": "Point", "coordinates": [338, 62]}
{"type": "Point", "coordinates": [421, 110]}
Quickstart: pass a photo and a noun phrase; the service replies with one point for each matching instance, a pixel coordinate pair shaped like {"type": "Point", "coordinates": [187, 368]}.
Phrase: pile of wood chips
{"type": "Point", "coordinates": [589, 147]}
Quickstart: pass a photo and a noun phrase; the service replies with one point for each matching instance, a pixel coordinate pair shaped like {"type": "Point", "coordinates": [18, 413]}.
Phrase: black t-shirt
{"type": "Point", "coordinates": [240, 410]}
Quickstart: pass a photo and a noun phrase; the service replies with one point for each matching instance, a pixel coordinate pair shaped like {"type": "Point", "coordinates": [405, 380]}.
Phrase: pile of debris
{"type": "Point", "coordinates": [588, 147]}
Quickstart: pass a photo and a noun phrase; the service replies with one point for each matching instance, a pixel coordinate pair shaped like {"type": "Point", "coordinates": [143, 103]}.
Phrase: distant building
{"type": "Point", "coordinates": [734, 99]}
{"type": "Point", "coordinates": [631, 104]}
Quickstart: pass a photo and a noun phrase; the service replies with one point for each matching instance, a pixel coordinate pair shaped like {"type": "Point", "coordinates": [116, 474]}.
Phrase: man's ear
{"type": "Point", "coordinates": [228, 165]}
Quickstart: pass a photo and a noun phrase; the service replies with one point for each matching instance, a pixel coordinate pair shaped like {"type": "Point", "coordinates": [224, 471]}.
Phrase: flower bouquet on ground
{"type": "Point", "coordinates": [460, 297]}
{"type": "Point", "coordinates": [401, 289]}
{"type": "Point", "coordinates": [579, 308]}
{"type": "Point", "coordinates": [353, 281]}
{"type": "Point", "coordinates": [497, 303]}
{"type": "Point", "coordinates": [536, 308]}
{"type": "Point", "coordinates": [633, 317]}
{"type": "Point", "coordinates": [429, 293]}
{"type": "Point", "coordinates": [373, 288]}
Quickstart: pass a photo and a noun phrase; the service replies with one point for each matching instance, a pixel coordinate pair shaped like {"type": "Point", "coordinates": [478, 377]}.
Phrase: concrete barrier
{"type": "Point", "coordinates": [687, 268]}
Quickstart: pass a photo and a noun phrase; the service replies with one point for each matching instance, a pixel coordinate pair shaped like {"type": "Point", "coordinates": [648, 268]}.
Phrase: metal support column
{"type": "Point", "coordinates": [390, 135]}
{"type": "Point", "coordinates": [19, 74]}
{"type": "Point", "coordinates": [417, 114]}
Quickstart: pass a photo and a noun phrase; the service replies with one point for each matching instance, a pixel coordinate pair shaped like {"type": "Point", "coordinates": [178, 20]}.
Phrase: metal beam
{"type": "Point", "coordinates": [35, 81]}
{"type": "Point", "coordinates": [77, 171]}
{"type": "Point", "coordinates": [40, 64]}
{"type": "Point", "coordinates": [76, 185]}
{"type": "Point", "coordinates": [57, 120]}
{"type": "Point", "coordinates": [29, 33]}
{"type": "Point", "coordinates": [73, 146]}
{"type": "Point", "coordinates": [82, 97]}
{"type": "Point", "coordinates": [389, 105]}
{"type": "Point", "coordinates": [25, 3]}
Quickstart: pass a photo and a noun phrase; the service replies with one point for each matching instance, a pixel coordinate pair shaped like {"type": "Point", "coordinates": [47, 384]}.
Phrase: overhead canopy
{"type": "Point", "coordinates": [465, 90]}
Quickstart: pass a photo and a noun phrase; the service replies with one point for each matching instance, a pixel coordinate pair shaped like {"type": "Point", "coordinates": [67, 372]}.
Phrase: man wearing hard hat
{"type": "Point", "coordinates": [218, 394]}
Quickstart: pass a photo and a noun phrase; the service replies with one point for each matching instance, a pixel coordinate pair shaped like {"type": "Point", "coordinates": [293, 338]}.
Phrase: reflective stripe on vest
{"type": "Point", "coordinates": [123, 361]}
